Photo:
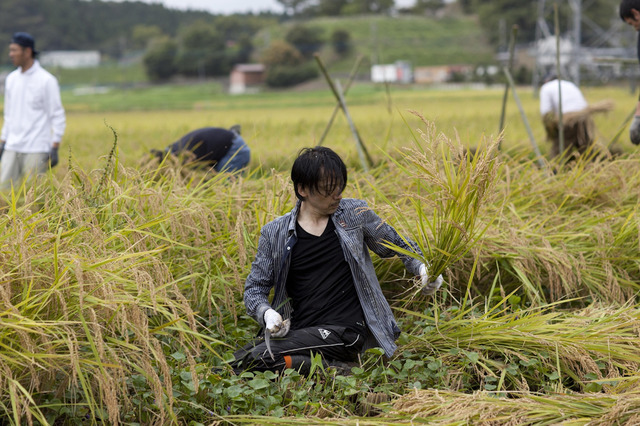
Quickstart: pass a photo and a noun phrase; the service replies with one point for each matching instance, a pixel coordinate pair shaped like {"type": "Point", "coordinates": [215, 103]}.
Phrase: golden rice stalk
{"type": "Point", "coordinates": [445, 407]}
{"type": "Point", "coordinates": [450, 186]}
{"type": "Point", "coordinates": [574, 342]}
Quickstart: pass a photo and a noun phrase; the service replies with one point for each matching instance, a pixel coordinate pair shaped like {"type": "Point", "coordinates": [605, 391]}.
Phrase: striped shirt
{"type": "Point", "coordinates": [359, 230]}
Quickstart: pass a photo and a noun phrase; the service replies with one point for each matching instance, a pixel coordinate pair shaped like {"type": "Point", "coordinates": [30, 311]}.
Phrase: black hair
{"type": "Point", "coordinates": [318, 165]}
{"type": "Point", "coordinates": [550, 76]}
{"type": "Point", "coordinates": [626, 6]}
{"type": "Point", "coordinates": [25, 40]}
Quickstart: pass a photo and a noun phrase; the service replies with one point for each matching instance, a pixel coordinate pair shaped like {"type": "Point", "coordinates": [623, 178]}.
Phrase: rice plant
{"type": "Point", "coordinates": [121, 280]}
{"type": "Point", "coordinates": [443, 208]}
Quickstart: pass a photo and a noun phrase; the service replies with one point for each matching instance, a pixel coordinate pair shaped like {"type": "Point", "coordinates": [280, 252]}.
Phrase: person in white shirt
{"type": "Point", "coordinates": [630, 14]}
{"type": "Point", "coordinates": [572, 98]}
{"type": "Point", "coordinates": [578, 126]}
{"type": "Point", "coordinates": [34, 119]}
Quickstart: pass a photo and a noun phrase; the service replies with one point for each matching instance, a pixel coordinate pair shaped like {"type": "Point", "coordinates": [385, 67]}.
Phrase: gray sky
{"type": "Point", "coordinates": [234, 6]}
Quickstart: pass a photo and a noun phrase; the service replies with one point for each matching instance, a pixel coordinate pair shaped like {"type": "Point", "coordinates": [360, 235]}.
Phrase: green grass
{"type": "Point", "coordinates": [421, 40]}
{"type": "Point", "coordinates": [109, 73]}
{"type": "Point", "coordinates": [146, 98]}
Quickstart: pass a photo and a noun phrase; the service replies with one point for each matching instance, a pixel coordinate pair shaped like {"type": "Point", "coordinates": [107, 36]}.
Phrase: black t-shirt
{"type": "Point", "coordinates": [320, 283]}
{"type": "Point", "coordinates": [208, 144]}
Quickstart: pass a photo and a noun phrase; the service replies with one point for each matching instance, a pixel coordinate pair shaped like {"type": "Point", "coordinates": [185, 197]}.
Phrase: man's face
{"type": "Point", "coordinates": [19, 55]}
{"type": "Point", "coordinates": [634, 21]}
{"type": "Point", "coordinates": [322, 201]}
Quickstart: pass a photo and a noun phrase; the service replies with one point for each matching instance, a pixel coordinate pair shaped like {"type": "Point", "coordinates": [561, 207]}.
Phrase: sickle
{"type": "Point", "coordinates": [267, 337]}
{"type": "Point", "coordinates": [267, 340]}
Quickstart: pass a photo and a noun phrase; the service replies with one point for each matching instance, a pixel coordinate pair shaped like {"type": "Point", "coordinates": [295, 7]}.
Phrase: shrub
{"type": "Point", "coordinates": [202, 51]}
{"type": "Point", "coordinates": [142, 35]}
{"type": "Point", "coordinates": [341, 41]}
{"type": "Point", "coordinates": [241, 52]}
{"type": "Point", "coordinates": [307, 40]}
{"type": "Point", "coordinates": [160, 60]}
{"type": "Point", "coordinates": [281, 53]}
{"type": "Point", "coordinates": [285, 76]}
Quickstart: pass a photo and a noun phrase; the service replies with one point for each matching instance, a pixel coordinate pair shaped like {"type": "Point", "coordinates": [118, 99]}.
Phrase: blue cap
{"type": "Point", "coordinates": [24, 40]}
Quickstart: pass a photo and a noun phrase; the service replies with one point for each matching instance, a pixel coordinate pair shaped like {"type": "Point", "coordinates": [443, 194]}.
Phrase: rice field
{"type": "Point", "coordinates": [121, 281]}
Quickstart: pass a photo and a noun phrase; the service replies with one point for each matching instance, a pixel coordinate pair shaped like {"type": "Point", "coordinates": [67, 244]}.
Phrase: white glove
{"type": "Point", "coordinates": [634, 130]}
{"type": "Point", "coordinates": [429, 288]}
{"type": "Point", "coordinates": [274, 323]}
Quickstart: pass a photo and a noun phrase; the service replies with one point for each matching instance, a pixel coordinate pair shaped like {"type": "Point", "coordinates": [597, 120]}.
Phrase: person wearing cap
{"type": "Point", "coordinates": [579, 131]}
{"type": "Point", "coordinates": [34, 118]}
{"type": "Point", "coordinates": [630, 14]}
{"type": "Point", "coordinates": [211, 147]}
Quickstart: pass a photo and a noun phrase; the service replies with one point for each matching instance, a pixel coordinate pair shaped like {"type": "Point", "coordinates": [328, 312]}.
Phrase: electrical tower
{"type": "Point", "coordinates": [603, 57]}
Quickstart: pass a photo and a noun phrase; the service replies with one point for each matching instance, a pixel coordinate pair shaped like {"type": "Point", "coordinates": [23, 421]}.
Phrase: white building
{"type": "Point", "coordinates": [398, 72]}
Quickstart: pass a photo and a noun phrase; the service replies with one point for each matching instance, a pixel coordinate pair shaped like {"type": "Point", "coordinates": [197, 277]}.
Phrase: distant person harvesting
{"type": "Point", "coordinates": [34, 119]}
{"type": "Point", "coordinates": [326, 297]}
{"type": "Point", "coordinates": [630, 13]}
{"type": "Point", "coordinates": [579, 130]}
{"type": "Point", "coordinates": [221, 149]}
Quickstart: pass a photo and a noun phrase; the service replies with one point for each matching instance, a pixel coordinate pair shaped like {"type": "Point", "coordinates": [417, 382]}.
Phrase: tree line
{"type": "Point", "coordinates": [110, 26]}
{"type": "Point", "coordinates": [113, 28]}
{"type": "Point", "coordinates": [199, 43]}
{"type": "Point", "coordinates": [496, 16]}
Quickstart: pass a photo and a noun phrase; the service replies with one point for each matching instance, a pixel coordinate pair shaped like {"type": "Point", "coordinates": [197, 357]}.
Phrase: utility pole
{"type": "Point", "coordinates": [572, 69]}
{"type": "Point", "coordinates": [576, 7]}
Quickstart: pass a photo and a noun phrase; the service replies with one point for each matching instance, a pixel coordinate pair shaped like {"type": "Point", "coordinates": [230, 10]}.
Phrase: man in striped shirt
{"type": "Point", "coordinates": [327, 299]}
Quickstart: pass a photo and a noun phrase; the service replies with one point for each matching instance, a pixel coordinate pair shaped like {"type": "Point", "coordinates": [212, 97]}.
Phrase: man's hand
{"type": "Point", "coordinates": [634, 130]}
{"type": "Point", "coordinates": [274, 323]}
{"type": "Point", "coordinates": [1, 149]}
{"type": "Point", "coordinates": [53, 156]}
{"type": "Point", "coordinates": [428, 288]}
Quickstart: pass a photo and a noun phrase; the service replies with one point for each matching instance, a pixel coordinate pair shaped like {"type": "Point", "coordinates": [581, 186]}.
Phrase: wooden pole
{"type": "Point", "coordinates": [558, 70]}
{"type": "Point", "coordinates": [512, 43]}
{"type": "Point", "coordinates": [363, 160]}
{"type": "Point", "coordinates": [352, 75]}
{"type": "Point", "coordinates": [624, 125]}
{"type": "Point", "coordinates": [343, 105]}
{"type": "Point", "coordinates": [524, 117]}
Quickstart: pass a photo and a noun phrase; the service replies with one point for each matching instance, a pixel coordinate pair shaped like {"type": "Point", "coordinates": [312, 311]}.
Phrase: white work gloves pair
{"type": "Point", "coordinates": [428, 288]}
{"type": "Point", "coordinates": [634, 130]}
{"type": "Point", "coordinates": [274, 323]}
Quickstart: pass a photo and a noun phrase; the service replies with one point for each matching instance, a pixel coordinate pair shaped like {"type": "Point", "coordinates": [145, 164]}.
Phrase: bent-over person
{"type": "Point", "coordinates": [211, 147]}
{"type": "Point", "coordinates": [579, 129]}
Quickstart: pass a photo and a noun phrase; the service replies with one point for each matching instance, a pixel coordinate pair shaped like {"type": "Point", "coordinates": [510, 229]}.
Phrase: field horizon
{"type": "Point", "coordinates": [154, 117]}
